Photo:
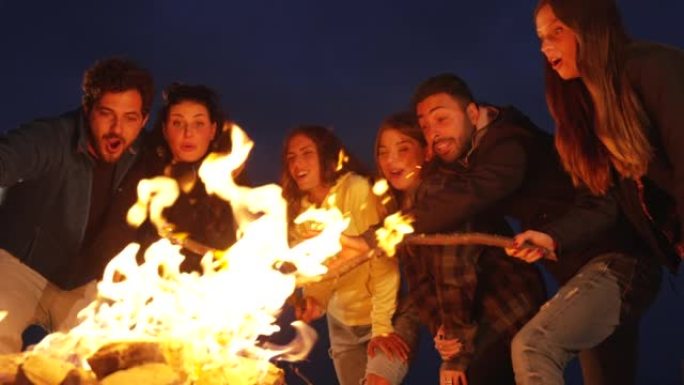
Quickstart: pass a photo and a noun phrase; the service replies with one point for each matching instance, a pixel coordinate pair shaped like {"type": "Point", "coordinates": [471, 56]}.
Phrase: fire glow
{"type": "Point", "coordinates": [206, 324]}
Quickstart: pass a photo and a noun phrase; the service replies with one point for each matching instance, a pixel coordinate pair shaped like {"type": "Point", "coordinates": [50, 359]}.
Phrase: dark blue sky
{"type": "Point", "coordinates": [281, 63]}
{"type": "Point", "coordinates": [344, 64]}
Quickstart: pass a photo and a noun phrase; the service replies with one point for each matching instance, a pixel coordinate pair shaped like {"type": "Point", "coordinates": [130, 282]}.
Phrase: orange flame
{"type": "Point", "coordinates": [342, 158]}
{"type": "Point", "coordinates": [395, 227]}
{"type": "Point", "coordinates": [207, 322]}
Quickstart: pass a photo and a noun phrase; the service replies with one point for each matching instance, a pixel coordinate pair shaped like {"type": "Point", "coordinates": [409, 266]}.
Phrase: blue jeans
{"type": "Point", "coordinates": [581, 317]}
{"type": "Point", "coordinates": [348, 346]}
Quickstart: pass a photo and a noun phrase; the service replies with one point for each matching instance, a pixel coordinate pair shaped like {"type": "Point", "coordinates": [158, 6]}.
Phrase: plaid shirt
{"type": "Point", "coordinates": [461, 287]}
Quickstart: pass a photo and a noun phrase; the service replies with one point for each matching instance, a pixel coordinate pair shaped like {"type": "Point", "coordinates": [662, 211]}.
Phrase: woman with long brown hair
{"type": "Point", "coordinates": [616, 104]}
{"type": "Point", "coordinates": [319, 172]}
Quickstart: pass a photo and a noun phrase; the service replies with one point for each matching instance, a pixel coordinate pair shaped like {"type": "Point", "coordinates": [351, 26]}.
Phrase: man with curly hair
{"type": "Point", "coordinates": [59, 175]}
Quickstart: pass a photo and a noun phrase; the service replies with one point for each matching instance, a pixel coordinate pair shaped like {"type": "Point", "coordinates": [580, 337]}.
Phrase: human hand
{"type": "Point", "coordinates": [354, 243]}
{"type": "Point", "coordinates": [452, 377]}
{"type": "Point", "coordinates": [679, 248]}
{"type": "Point", "coordinates": [308, 309]}
{"type": "Point", "coordinates": [391, 345]}
{"type": "Point", "coordinates": [447, 348]}
{"type": "Point", "coordinates": [531, 246]}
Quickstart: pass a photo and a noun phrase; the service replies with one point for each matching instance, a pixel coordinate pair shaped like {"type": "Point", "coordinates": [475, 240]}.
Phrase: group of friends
{"type": "Point", "coordinates": [600, 205]}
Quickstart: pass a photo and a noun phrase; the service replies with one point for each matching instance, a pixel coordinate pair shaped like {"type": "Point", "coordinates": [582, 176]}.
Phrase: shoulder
{"type": "Point", "coordinates": [352, 183]}
{"type": "Point", "coordinates": [55, 134]}
{"type": "Point", "coordinates": [509, 134]}
{"type": "Point", "coordinates": [512, 123]}
{"type": "Point", "coordinates": [646, 62]}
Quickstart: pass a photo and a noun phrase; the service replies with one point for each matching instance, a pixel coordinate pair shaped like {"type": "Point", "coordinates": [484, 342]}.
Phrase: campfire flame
{"type": "Point", "coordinates": [210, 321]}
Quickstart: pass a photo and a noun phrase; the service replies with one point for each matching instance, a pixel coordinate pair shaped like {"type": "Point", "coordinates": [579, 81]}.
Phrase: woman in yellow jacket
{"type": "Point", "coordinates": [359, 304]}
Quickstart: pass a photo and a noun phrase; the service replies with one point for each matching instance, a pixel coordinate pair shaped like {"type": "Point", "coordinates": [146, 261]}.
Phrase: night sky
{"type": "Point", "coordinates": [346, 64]}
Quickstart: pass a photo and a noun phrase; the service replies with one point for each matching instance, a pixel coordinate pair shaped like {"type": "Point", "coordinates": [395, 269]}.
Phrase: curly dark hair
{"type": "Point", "coordinates": [117, 75]}
{"type": "Point", "coordinates": [177, 93]}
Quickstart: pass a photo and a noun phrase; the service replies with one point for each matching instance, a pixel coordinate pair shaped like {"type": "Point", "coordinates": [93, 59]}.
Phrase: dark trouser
{"type": "Point", "coordinates": [491, 363]}
{"type": "Point", "coordinates": [614, 361]}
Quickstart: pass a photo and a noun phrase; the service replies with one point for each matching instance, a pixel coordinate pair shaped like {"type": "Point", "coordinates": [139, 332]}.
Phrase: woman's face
{"type": "Point", "coordinates": [400, 158]}
{"type": "Point", "coordinates": [188, 130]}
{"type": "Point", "coordinates": [558, 43]}
{"type": "Point", "coordinates": [303, 163]}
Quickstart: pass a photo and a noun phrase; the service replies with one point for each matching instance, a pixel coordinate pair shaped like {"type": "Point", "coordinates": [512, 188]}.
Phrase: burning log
{"type": "Point", "coordinates": [148, 374]}
{"type": "Point", "coordinates": [38, 369]}
{"type": "Point", "coordinates": [124, 355]}
{"type": "Point", "coordinates": [249, 375]}
{"type": "Point", "coordinates": [9, 366]}
{"type": "Point", "coordinates": [80, 376]}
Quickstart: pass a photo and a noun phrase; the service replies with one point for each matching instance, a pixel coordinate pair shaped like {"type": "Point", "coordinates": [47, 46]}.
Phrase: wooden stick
{"type": "Point", "coordinates": [460, 239]}
{"type": "Point", "coordinates": [341, 267]}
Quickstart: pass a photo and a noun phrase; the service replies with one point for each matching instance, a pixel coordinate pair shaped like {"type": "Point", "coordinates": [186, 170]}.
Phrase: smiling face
{"type": "Point", "coordinates": [115, 121]}
{"type": "Point", "coordinates": [188, 130]}
{"type": "Point", "coordinates": [447, 126]}
{"type": "Point", "coordinates": [558, 43]}
{"type": "Point", "coordinates": [304, 166]}
{"type": "Point", "coordinates": [399, 157]}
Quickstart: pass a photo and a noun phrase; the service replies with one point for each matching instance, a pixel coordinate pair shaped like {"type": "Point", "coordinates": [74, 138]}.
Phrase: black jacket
{"type": "Point", "coordinates": [48, 171]}
{"type": "Point", "coordinates": [513, 170]}
{"type": "Point", "coordinates": [205, 218]}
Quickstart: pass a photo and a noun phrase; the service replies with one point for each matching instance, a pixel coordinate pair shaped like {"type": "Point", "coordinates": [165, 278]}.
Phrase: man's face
{"type": "Point", "coordinates": [447, 126]}
{"type": "Point", "coordinates": [115, 122]}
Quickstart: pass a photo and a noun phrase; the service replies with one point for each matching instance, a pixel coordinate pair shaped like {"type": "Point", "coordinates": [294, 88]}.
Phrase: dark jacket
{"type": "Point", "coordinates": [205, 218]}
{"type": "Point", "coordinates": [654, 205]}
{"type": "Point", "coordinates": [48, 171]}
{"type": "Point", "coordinates": [522, 178]}
{"type": "Point", "coordinates": [656, 210]}
{"type": "Point", "coordinates": [466, 287]}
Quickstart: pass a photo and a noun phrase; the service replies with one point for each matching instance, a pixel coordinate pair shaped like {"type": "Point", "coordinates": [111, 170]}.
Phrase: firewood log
{"type": "Point", "coordinates": [39, 369]}
{"type": "Point", "coordinates": [248, 372]}
{"type": "Point", "coordinates": [147, 374]}
{"type": "Point", "coordinates": [80, 376]}
{"type": "Point", "coordinates": [9, 366]}
{"type": "Point", "coordinates": [123, 355]}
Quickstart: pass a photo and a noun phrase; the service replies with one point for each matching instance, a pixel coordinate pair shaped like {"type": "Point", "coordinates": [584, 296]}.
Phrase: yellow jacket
{"type": "Point", "coordinates": [368, 293]}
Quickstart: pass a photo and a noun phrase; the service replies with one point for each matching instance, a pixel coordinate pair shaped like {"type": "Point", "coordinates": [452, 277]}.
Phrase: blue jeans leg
{"type": "Point", "coordinates": [584, 312]}
{"type": "Point", "coordinates": [348, 350]}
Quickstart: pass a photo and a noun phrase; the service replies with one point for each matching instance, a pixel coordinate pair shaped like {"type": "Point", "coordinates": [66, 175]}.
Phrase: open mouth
{"type": "Point", "coordinates": [442, 146]}
{"type": "Point", "coordinates": [555, 63]}
{"type": "Point", "coordinates": [113, 145]}
{"type": "Point", "coordinates": [396, 173]}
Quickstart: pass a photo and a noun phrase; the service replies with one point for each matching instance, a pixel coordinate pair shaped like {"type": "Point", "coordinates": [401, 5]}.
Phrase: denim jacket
{"type": "Point", "coordinates": [47, 170]}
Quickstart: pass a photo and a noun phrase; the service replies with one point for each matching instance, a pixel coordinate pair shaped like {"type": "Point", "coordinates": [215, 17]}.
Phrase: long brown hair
{"type": "Point", "coordinates": [328, 147]}
{"type": "Point", "coordinates": [406, 123]}
{"type": "Point", "coordinates": [600, 122]}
